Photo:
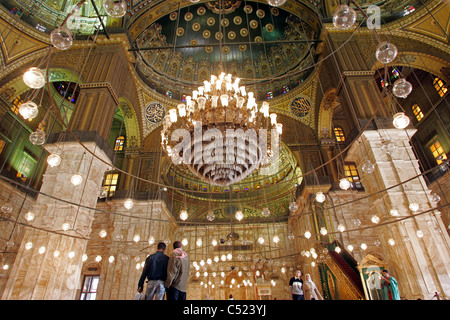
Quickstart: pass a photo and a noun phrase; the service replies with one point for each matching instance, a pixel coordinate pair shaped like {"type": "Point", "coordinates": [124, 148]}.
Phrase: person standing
{"type": "Point", "coordinates": [310, 290]}
{"type": "Point", "coordinates": [296, 286]}
{"type": "Point", "coordinates": [155, 270]}
{"type": "Point", "coordinates": [389, 286]}
{"type": "Point", "coordinates": [177, 273]}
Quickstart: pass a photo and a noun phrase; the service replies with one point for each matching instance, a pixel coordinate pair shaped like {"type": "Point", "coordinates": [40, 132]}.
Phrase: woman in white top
{"type": "Point", "coordinates": [310, 290]}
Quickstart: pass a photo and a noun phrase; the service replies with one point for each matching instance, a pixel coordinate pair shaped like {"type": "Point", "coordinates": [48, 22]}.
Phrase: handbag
{"type": "Point", "coordinates": [139, 296]}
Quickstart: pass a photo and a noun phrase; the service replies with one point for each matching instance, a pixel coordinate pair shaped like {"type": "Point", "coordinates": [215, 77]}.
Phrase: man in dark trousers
{"type": "Point", "coordinates": [155, 270]}
{"type": "Point", "coordinates": [177, 273]}
{"type": "Point", "coordinates": [296, 286]}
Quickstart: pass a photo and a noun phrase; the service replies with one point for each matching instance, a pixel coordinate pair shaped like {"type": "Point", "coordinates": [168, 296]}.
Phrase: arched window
{"type": "Point", "coordinates": [339, 133]}
{"type": "Point", "coordinates": [417, 112]}
{"type": "Point", "coordinates": [438, 152]}
{"type": "Point", "coordinates": [119, 143]}
{"type": "Point", "coordinates": [440, 87]}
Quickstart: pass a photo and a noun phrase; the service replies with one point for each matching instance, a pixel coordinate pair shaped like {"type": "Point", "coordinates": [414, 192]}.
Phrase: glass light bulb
{"type": "Point", "coordinates": [54, 160]}
{"type": "Point", "coordinates": [435, 198]}
{"type": "Point", "coordinates": [402, 88]}
{"type": "Point", "coordinates": [293, 206]}
{"type": "Point", "coordinates": [71, 254]}
{"type": "Point", "coordinates": [341, 228]}
{"type": "Point", "coordinates": [61, 38]}
{"type": "Point", "coordinates": [337, 249]}
{"type": "Point", "coordinates": [323, 231]}
{"type": "Point", "coordinates": [37, 137]}
{"type": "Point", "coordinates": [210, 216]}
{"type": "Point", "coordinates": [265, 212]}
{"type": "Point", "coordinates": [413, 206]}
{"type": "Point", "coordinates": [183, 215]}
{"type": "Point", "coordinates": [102, 233]}
{"type": "Point", "coordinates": [7, 208]}
{"type": "Point", "coordinates": [375, 219]}
{"type": "Point", "coordinates": [363, 246]}
{"type": "Point", "coordinates": [419, 233]}
{"type": "Point", "coordinates": [391, 242]}
{"type": "Point", "coordinates": [320, 197]}
{"type": "Point", "coordinates": [128, 204]}
{"type": "Point", "coordinates": [229, 256]}
{"type": "Point", "coordinates": [111, 259]}
{"type": "Point", "coordinates": [260, 240]}
{"type": "Point", "coordinates": [199, 242]}
{"type": "Point", "coordinates": [84, 257]}
{"type": "Point", "coordinates": [393, 212]}
{"type": "Point", "coordinates": [350, 248]}
{"type": "Point", "coordinates": [29, 216]}
{"type": "Point", "coordinates": [344, 17]}
{"type": "Point", "coordinates": [368, 167]}
{"type": "Point", "coordinates": [28, 245]}
{"type": "Point", "coordinates": [276, 239]}
{"type": "Point", "coordinates": [386, 52]}
{"type": "Point", "coordinates": [307, 234]}
{"type": "Point", "coordinates": [115, 8]}
{"type": "Point", "coordinates": [56, 253]}
{"type": "Point", "coordinates": [28, 110]}
{"type": "Point", "coordinates": [136, 238]}
{"type": "Point", "coordinates": [98, 258]}
{"type": "Point", "coordinates": [76, 179]}
{"type": "Point", "coordinates": [344, 184]}
{"type": "Point", "coordinates": [401, 121]}
{"type": "Point", "coordinates": [34, 78]}
{"type": "Point", "coordinates": [239, 215]}
{"type": "Point", "coordinates": [151, 240]}
{"type": "Point", "coordinates": [65, 226]}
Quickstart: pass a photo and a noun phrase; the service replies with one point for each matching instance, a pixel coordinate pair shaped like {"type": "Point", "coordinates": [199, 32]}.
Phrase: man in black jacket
{"type": "Point", "coordinates": [155, 270]}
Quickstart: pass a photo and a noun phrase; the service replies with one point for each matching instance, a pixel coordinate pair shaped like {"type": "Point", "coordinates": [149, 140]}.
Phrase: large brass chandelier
{"type": "Point", "coordinates": [220, 133]}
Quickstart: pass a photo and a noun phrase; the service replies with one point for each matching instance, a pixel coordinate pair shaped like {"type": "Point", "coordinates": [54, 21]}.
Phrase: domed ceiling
{"type": "Point", "coordinates": [251, 40]}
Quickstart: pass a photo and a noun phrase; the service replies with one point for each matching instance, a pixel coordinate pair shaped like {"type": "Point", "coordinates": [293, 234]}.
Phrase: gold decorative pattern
{"type": "Point", "coordinates": [237, 20]}
{"type": "Point", "coordinates": [206, 34]}
{"type": "Point", "coordinates": [196, 26]}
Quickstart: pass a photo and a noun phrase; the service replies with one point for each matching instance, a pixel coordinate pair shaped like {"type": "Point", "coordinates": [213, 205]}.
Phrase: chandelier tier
{"type": "Point", "coordinates": [220, 133]}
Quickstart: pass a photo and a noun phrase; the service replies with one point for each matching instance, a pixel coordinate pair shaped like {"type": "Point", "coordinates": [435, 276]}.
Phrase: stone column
{"type": "Point", "coordinates": [39, 273]}
{"type": "Point", "coordinates": [420, 264]}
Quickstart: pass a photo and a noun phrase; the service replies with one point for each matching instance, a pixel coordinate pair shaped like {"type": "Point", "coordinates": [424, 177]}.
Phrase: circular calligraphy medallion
{"type": "Point", "coordinates": [301, 106]}
{"type": "Point", "coordinates": [154, 112]}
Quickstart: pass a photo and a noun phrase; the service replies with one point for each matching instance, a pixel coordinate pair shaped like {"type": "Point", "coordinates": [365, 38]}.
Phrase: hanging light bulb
{"type": "Point", "coordinates": [337, 249]}
{"type": "Point", "coordinates": [28, 110]}
{"type": "Point", "coordinates": [98, 258]}
{"type": "Point", "coordinates": [341, 228]}
{"type": "Point", "coordinates": [199, 242]}
{"type": "Point", "coordinates": [276, 3]}
{"type": "Point", "coordinates": [307, 234]}
{"type": "Point", "coordinates": [375, 219]}
{"type": "Point", "coordinates": [71, 254]}
{"type": "Point", "coordinates": [401, 88]}
{"type": "Point", "coordinates": [115, 8]}
{"type": "Point", "coordinates": [323, 231]}
{"type": "Point", "coordinates": [184, 242]}
{"type": "Point", "coordinates": [419, 233]}
{"type": "Point", "coordinates": [111, 259]}
{"type": "Point", "coordinates": [29, 216]}
{"type": "Point", "coordinates": [386, 52]}
{"type": "Point", "coordinates": [391, 242]}
{"type": "Point", "coordinates": [54, 160]}
{"type": "Point", "coordinates": [210, 216]}
{"type": "Point", "coordinates": [128, 204]}
{"type": "Point", "coordinates": [7, 208]}
{"type": "Point", "coordinates": [350, 248]}
{"type": "Point", "coordinates": [435, 198]}
{"type": "Point", "coordinates": [276, 239]}
{"type": "Point", "coordinates": [344, 184]}
{"type": "Point", "coordinates": [65, 226]}
{"type": "Point", "coordinates": [42, 250]}
{"type": "Point", "coordinates": [393, 212]}
{"type": "Point", "coordinates": [344, 17]}
{"type": "Point", "coordinates": [61, 38]}
{"type": "Point", "coordinates": [136, 238]}
{"type": "Point", "coordinates": [401, 121]}
{"type": "Point", "coordinates": [368, 167]}
{"type": "Point", "coordinates": [239, 215]}
{"type": "Point", "coordinates": [102, 233]}
{"type": "Point", "coordinates": [37, 137]}
{"type": "Point", "coordinates": [414, 206]}
{"type": "Point", "coordinates": [76, 179]}
{"type": "Point", "coordinates": [34, 78]}
{"type": "Point", "coordinates": [183, 215]}
{"type": "Point", "coordinates": [84, 257]}
{"type": "Point", "coordinates": [293, 206]}
{"type": "Point", "coordinates": [229, 256]}
{"type": "Point", "coordinates": [56, 253]}
{"type": "Point", "coordinates": [214, 242]}
{"type": "Point", "coordinates": [28, 245]}
{"type": "Point", "coordinates": [320, 197]}
{"type": "Point", "coordinates": [260, 240]}
{"type": "Point", "coordinates": [363, 246]}
{"type": "Point", "coordinates": [265, 212]}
